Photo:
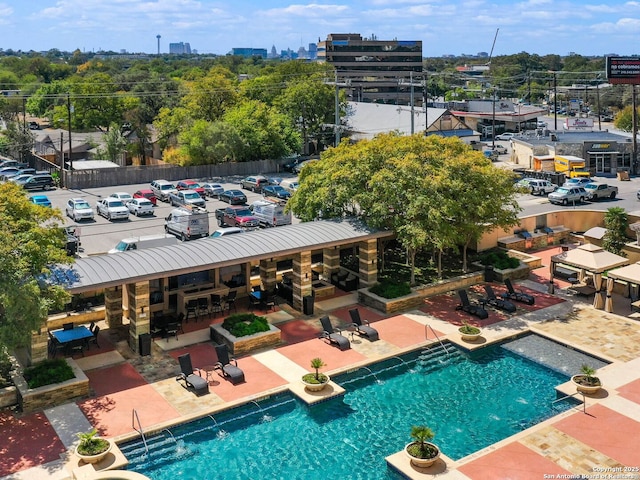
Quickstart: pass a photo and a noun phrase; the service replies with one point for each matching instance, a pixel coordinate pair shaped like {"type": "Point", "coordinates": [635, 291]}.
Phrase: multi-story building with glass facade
{"type": "Point", "coordinates": [373, 70]}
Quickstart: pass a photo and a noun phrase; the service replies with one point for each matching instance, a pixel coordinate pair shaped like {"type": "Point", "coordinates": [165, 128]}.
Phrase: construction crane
{"type": "Point", "coordinates": [492, 46]}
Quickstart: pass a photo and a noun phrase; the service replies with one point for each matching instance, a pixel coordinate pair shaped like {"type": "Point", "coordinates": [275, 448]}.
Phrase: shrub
{"type": "Point", "coordinates": [386, 289]}
{"type": "Point", "coordinates": [243, 324]}
{"type": "Point", "coordinates": [499, 259]}
{"type": "Point", "coordinates": [48, 372]}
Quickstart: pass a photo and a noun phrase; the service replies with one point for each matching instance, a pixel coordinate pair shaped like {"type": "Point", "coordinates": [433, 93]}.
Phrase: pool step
{"type": "Point", "coordinates": [439, 356]}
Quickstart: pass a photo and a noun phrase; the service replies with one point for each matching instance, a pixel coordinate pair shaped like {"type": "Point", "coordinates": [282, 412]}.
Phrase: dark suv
{"type": "Point", "coordinates": [40, 181]}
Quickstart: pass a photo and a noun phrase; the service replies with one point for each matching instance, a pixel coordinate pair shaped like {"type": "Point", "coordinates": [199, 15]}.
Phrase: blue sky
{"type": "Point", "coordinates": [586, 27]}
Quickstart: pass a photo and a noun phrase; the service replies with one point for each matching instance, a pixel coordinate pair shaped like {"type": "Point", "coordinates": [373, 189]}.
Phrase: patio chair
{"type": "Point", "coordinates": [230, 300]}
{"type": "Point", "coordinates": [334, 337]}
{"type": "Point", "coordinates": [466, 306]}
{"type": "Point", "coordinates": [496, 302]}
{"type": "Point", "coordinates": [188, 378]}
{"type": "Point", "coordinates": [203, 307]}
{"type": "Point", "coordinates": [269, 301]}
{"type": "Point", "coordinates": [192, 309]}
{"type": "Point", "coordinates": [94, 339]}
{"type": "Point", "coordinates": [55, 346]}
{"type": "Point", "coordinates": [362, 326]}
{"type": "Point", "coordinates": [76, 346]}
{"type": "Point", "coordinates": [68, 326]}
{"type": "Point", "coordinates": [227, 365]}
{"type": "Point", "coordinates": [171, 329]}
{"type": "Point", "coordinates": [215, 305]}
{"type": "Point", "coordinates": [518, 296]}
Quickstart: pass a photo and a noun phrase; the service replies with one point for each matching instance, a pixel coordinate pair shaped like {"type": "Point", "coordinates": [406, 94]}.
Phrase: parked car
{"type": "Point", "coordinates": [233, 197]}
{"type": "Point", "coordinates": [298, 168]}
{"type": "Point", "coordinates": [290, 185]}
{"type": "Point", "coordinates": [148, 194]}
{"type": "Point", "coordinates": [20, 177]}
{"type": "Point", "coordinates": [20, 171]}
{"type": "Point", "coordinates": [79, 209]}
{"type": "Point", "coordinates": [162, 188]}
{"type": "Point", "coordinates": [34, 126]}
{"type": "Point", "coordinates": [238, 216]}
{"type": "Point", "coordinates": [290, 166]}
{"type": "Point", "coordinates": [505, 136]}
{"type": "Point", "coordinates": [597, 191]}
{"type": "Point", "coordinates": [140, 206]}
{"type": "Point", "coordinates": [124, 196]}
{"type": "Point", "coordinates": [112, 209]}
{"type": "Point", "coordinates": [213, 189]}
{"type": "Point", "coordinates": [501, 149]}
{"type": "Point", "coordinates": [39, 181]}
{"type": "Point", "coordinates": [221, 232]}
{"type": "Point", "coordinates": [186, 198]}
{"type": "Point", "coordinates": [276, 191]}
{"type": "Point", "coordinates": [41, 200]}
{"type": "Point", "coordinates": [537, 186]}
{"type": "Point", "coordinates": [191, 185]}
{"type": "Point", "coordinates": [565, 195]}
{"type": "Point", "coordinates": [254, 183]}
{"type": "Point", "coordinates": [577, 182]}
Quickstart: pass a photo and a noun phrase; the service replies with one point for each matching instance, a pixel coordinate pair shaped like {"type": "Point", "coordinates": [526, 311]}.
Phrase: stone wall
{"type": "Point", "coordinates": [415, 299]}
{"type": "Point", "coordinates": [48, 396]}
{"type": "Point", "coordinates": [247, 344]}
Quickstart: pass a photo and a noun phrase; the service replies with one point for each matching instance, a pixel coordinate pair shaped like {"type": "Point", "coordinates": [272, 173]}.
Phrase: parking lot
{"type": "Point", "coordinates": [100, 235]}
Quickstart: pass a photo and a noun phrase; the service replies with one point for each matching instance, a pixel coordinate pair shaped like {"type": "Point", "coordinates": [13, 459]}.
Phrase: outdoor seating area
{"type": "Point", "coordinates": [71, 339]}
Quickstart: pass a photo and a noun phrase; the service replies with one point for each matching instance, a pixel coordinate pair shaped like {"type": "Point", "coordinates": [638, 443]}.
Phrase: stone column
{"type": "Point", "coordinates": [268, 274]}
{"type": "Point", "coordinates": [113, 306]}
{"type": "Point", "coordinates": [139, 318]}
{"type": "Point", "coordinates": [368, 262]}
{"type": "Point", "coordinates": [39, 347]}
{"type": "Point", "coordinates": [301, 278]}
{"type": "Point", "coordinates": [330, 262]}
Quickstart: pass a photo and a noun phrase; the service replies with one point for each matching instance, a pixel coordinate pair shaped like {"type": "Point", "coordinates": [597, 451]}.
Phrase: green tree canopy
{"type": "Point", "coordinates": [32, 242]}
{"type": "Point", "coordinates": [432, 192]}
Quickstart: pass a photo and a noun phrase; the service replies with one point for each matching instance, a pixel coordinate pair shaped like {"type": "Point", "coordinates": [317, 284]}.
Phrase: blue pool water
{"type": "Point", "coordinates": [469, 400]}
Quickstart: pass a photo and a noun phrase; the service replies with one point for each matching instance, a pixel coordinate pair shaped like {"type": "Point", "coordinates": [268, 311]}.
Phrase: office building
{"type": "Point", "coordinates": [249, 52]}
{"type": "Point", "coordinates": [373, 70]}
{"type": "Point", "coordinates": [180, 48]}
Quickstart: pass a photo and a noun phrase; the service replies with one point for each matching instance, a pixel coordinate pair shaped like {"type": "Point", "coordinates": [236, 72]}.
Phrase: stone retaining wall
{"type": "Point", "coordinates": [246, 344]}
{"type": "Point", "coordinates": [8, 396]}
{"type": "Point", "coordinates": [415, 299]}
{"type": "Point", "coordinates": [48, 396]}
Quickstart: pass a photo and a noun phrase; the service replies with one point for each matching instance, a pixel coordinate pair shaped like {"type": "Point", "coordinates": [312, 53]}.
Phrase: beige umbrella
{"type": "Point", "coordinates": [594, 259]}
{"type": "Point", "coordinates": [629, 274]}
{"type": "Point", "coordinates": [608, 304]}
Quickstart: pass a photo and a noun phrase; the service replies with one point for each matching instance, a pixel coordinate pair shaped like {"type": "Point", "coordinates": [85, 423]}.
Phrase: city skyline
{"type": "Point", "coordinates": [459, 27]}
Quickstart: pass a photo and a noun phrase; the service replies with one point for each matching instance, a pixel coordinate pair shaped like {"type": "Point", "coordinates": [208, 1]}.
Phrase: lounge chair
{"type": "Point", "coordinates": [198, 384]}
{"type": "Point", "coordinates": [362, 327]}
{"type": "Point", "coordinates": [334, 338]}
{"type": "Point", "coordinates": [468, 307]}
{"type": "Point", "coordinates": [496, 302]}
{"type": "Point", "coordinates": [518, 296]}
{"type": "Point", "coordinates": [228, 366]}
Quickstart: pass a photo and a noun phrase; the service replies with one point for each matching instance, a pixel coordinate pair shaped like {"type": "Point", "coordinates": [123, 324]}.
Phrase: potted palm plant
{"type": "Point", "coordinates": [92, 448]}
{"type": "Point", "coordinates": [314, 382]}
{"type": "Point", "coordinates": [421, 451]}
{"type": "Point", "coordinates": [469, 333]}
{"type": "Point", "coordinates": [586, 381]}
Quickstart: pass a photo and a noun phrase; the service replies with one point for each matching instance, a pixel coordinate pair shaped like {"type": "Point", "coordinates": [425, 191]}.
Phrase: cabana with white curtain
{"type": "Point", "coordinates": [629, 274]}
{"type": "Point", "coordinates": [590, 258]}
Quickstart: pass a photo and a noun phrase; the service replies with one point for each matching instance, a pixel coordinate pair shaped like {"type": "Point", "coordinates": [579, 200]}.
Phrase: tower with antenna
{"type": "Point", "coordinates": [158, 37]}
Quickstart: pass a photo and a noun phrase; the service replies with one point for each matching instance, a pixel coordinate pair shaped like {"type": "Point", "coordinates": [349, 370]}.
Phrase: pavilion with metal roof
{"type": "Point", "coordinates": [142, 283]}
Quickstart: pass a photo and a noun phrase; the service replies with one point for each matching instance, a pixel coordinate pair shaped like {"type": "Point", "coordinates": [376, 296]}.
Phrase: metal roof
{"type": "Point", "coordinates": [103, 271]}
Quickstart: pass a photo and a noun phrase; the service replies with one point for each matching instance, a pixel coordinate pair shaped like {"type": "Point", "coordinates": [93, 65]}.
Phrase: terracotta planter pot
{"type": "Point", "coordinates": [586, 389]}
{"type": "Point", "coordinates": [94, 458]}
{"type": "Point", "coordinates": [422, 462]}
{"type": "Point", "coordinates": [315, 387]}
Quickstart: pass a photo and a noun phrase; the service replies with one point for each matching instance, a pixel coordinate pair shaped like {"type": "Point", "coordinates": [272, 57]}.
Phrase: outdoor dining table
{"type": "Point", "coordinates": [76, 333]}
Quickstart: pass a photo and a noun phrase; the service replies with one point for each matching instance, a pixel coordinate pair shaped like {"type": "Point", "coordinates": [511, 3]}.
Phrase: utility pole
{"type": "Point", "coordinates": [634, 129]}
{"type": "Point", "coordinates": [555, 102]}
{"type": "Point", "coordinates": [412, 99]}
{"type": "Point", "coordinates": [69, 128]}
{"type": "Point", "coordinates": [337, 112]}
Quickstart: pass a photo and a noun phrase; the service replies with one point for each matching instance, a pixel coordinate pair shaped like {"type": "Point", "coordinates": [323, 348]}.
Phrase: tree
{"type": "Point", "coordinates": [624, 119]}
{"type": "Point", "coordinates": [432, 192]}
{"type": "Point", "coordinates": [115, 144]}
{"type": "Point", "coordinates": [616, 222]}
{"type": "Point", "coordinates": [32, 242]}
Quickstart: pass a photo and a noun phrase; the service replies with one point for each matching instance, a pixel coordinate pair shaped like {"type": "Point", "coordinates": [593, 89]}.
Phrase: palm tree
{"type": "Point", "coordinates": [317, 364]}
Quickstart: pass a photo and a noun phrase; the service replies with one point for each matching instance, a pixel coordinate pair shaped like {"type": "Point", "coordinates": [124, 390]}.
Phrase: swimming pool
{"type": "Point", "coordinates": [470, 400]}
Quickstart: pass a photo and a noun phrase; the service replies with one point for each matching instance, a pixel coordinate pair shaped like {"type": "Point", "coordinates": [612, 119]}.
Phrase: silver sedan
{"type": "Point", "coordinates": [140, 206]}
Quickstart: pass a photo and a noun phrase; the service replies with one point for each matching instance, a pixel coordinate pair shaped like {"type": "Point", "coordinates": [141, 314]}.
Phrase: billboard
{"type": "Point", "coordinates": [625, 70]}
{"type": "Point", "coordinates": [573, 123]}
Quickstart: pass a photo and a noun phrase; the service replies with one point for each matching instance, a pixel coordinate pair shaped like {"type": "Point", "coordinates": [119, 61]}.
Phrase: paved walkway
{"type": "Point", "coordinates": [37, 445]}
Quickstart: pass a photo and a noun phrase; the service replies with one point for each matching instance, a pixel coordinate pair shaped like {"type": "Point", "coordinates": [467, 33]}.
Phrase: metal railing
{"type": "Point", "coordinates": [428, 327]}
{"type": "Point", "coordinates": [134, 416]}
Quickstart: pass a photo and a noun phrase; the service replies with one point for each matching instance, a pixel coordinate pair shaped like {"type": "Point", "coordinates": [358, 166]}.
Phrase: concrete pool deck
{"type": "Point", "coordinates": [601, 438]}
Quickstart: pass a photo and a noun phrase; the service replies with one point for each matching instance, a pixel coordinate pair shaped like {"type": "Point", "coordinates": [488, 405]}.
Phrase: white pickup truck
{"type": "Point", "coordinates": [596, 191]}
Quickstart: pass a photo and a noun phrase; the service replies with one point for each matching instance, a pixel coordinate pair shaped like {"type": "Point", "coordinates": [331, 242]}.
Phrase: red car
{"type": "Point", "coordinates": [148, 194]}
{"type": "Point", "coordinates": [191, 185]}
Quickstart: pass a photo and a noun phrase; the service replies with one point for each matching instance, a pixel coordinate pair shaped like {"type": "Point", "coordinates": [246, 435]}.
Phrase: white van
{"type": "Point", "coordinates": [270, 213]}
{"type": "Point", "coordinates": [149, 241]}
{"type": "Point", "coordinates": [187, 223]}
